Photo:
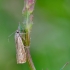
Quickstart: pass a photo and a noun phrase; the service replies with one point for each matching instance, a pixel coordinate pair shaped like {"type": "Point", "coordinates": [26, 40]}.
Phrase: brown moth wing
{"type": "Point", "coordinates": [20, 51]}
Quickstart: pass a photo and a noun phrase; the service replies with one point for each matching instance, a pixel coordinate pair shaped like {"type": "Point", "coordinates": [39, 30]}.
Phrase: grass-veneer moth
{"type": "Point", "coordinates": [20, 50]}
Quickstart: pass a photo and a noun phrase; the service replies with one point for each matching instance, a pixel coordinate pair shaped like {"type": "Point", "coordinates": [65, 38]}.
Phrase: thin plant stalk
{"type": "Point", "coordinates": [27, 13]}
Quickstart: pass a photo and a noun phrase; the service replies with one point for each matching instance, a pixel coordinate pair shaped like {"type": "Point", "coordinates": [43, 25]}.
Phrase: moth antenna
{"type": "Point", "coordinates": [19, 26]}
{"type": "Point", "coordinates": [64, 66]}
{"type": "Point", "coordinates": [10, 35]}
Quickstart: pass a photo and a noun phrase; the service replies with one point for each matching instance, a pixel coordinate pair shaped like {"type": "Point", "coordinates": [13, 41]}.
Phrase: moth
{"type": "Point", "coordinates": [20, 50]}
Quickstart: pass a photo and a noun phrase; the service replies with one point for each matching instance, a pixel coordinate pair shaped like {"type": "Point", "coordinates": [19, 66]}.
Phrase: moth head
{"type": "Point", "coordinates": [17, 31]}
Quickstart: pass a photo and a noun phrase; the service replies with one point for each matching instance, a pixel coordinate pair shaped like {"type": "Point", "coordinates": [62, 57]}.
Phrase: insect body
{"type": "Point", "coordinates": [20, 50]}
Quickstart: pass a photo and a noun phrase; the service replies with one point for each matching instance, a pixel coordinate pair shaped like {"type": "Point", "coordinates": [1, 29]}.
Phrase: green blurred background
{"type": "Point", "coordinates": [50, 36]}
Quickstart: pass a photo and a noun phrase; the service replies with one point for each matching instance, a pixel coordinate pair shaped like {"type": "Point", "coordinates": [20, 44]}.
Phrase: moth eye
{"type": "Point", "coordinates": [17, 32]}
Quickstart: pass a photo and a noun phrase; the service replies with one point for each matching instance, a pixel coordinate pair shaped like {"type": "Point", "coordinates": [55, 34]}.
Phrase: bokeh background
{"type": "Point", "coordinates": [50, 36]}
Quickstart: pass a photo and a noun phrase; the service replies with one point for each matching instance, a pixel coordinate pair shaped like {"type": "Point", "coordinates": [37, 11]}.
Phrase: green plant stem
{"type": "Point", "coordinates": [29, 59]}
{"type": "Point", "coordinates": [27, 39]}
{"type": "Point", "coordinates": [28, 56]}
{"type": "Point", "coordinates": [27, 13]}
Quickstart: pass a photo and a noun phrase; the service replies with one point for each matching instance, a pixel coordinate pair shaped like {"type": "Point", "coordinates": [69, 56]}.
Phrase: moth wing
{"type": "Point", "coordinates": [20, 50]}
